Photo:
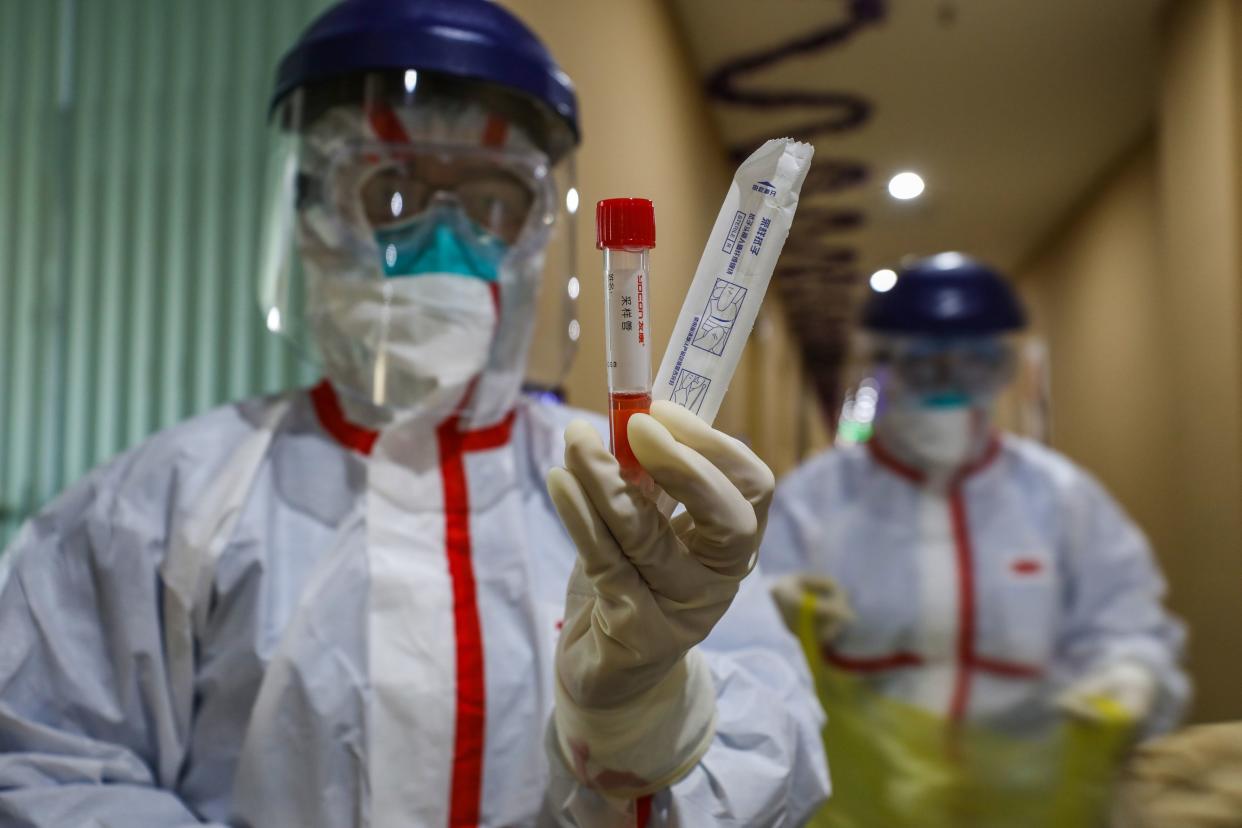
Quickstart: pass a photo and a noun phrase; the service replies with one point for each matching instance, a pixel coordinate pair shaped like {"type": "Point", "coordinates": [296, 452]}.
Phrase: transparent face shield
{"type": "Point", "coordinates": [557, 327]}
{"type": "Point", "coordinates": [918, 372]}
{"type": "Point", "coordinates": [1025, 406]}
{"type": "Point", "coordinates": [407, 229]}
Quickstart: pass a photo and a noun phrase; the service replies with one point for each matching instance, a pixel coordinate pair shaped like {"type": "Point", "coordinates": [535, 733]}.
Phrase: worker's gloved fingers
{"type": "Point", "coordinates": [673, 573]}
{"type": "Point", "coordinates": [830, 604]}
{"type": "Point", "coordinates": [787, 592]}
{"type": "Point", "coordinates": [726, 530]}
{"type": "Point", "coordinates": [610, 612]}
{"type": "Point", "coordinates": [1208, 745]}
{"type": "Point", "coordinates": [1094, 709]}
{"type": "Point", "coordinates": [1189, 754]}
{"type": "Point", "coordinates": [603, 563]}
{"type": "Point", "coordinates": [821, 586]}
{"type": "Point", "coordinates": [798, 596]}
{"type": "Point", "coordinates": [681, 523]}
{"type": "Point", "coordinates": [631, 518]}
{"type": "Point", "coordinates": [641, 533]}
{"type": "Point", "coordinates": [745, 470]}
{"type": "Point", "coordinates": [1184, 809]}
{"type": "Point", "coordinates": [1117, 691]}
{"type": "Point", "coordinates": [677, 574]}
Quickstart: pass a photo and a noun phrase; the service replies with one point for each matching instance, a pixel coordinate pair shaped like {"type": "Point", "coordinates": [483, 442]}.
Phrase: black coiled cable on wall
{"type": "Point", "coordinates": [817, 275]}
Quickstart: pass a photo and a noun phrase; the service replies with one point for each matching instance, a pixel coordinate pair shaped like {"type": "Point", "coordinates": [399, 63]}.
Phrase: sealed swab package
{"type": "Point", "coordinates": [732, 277]}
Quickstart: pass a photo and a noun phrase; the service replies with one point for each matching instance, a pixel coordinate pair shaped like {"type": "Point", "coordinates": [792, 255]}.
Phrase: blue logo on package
{"type": "Point", "coordinates": [766, 187]}
{"type": "Point", "coordinates": [433, 245]}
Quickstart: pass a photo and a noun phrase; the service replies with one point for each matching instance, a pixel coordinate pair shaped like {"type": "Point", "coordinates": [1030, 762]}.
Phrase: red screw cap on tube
{"type": "Point", "coordinates": [624, 222]}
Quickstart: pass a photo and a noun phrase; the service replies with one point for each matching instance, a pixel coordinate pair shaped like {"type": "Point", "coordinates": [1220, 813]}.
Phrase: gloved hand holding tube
{"type": "Point", "coordinates": [635, 705]}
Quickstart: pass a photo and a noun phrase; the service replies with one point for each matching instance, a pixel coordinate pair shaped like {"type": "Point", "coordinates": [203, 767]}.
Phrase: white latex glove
{"type": "Point", "coordinates": [635, 705]}
{"type": "Point", "coordinates": [830, 610]}
{"type": "Point", "coordinates": [1120, 689]}
{"type": "Point", "coordinates": [1190, 779]}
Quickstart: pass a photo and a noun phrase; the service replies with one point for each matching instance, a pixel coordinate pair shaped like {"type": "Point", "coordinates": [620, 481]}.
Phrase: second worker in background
{"type": "Point", "coordinates": [984, 622]}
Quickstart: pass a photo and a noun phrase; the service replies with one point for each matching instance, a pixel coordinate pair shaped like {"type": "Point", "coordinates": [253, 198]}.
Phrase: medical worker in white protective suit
{"type": "Point", "coordinates": [342, 606]}
{"type": "Point", "coordinates": [974, 576]}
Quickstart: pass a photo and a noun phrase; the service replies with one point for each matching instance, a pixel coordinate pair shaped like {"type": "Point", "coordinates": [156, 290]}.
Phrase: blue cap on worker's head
{"type": "Point", "coordinates": [945, 295]}
{"type": "Point", "coordinates": [470, 39]}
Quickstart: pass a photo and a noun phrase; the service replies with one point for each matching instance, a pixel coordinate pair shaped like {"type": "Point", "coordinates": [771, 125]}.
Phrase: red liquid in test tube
{"type": "Point", "coordinates": [625, 231]}
{"type": "Point", "coordinates": [621, 406]}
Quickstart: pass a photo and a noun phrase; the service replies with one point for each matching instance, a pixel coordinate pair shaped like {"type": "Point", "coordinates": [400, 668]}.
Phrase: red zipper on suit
{"type": "Point", "coordinates": [967, 659]}
{"type": "Point", "coordinates": [471, 703]}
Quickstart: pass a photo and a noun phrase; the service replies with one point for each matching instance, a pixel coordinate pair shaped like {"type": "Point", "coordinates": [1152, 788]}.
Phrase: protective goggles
{"type": "Point", "coordinates": [933, 367]}
{"type": "Point", "coordinates": [378, 186]}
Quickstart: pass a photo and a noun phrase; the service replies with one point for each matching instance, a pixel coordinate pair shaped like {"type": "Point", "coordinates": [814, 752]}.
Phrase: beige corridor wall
{"type": "Point", "coordinates": [1140, 298]}
{"type": "Point", "coordinates": [1200, 99]}
{"type": "Point", "coordinates": [1098, 293]}
{"type": "Point", "coordinates": [1094, 295]}
{"type": "Point", "coordinates": [647, 132]}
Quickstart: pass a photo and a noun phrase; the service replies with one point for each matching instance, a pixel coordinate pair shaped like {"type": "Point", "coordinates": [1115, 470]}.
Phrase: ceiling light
{"type": "Point", "coordinates": [905, 186]}
{"type": "Point", "coordinates": [882, 281]}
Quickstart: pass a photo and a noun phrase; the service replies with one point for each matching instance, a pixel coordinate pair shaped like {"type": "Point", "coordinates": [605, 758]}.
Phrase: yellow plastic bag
{"type": "Point", "coordinates": [895, 765]}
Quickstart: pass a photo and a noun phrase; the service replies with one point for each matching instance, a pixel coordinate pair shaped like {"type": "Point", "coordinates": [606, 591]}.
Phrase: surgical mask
{"type": "Point", "coordinates": [440, 240]}
{"type": "Point", "coordinates": [426, 329]}
{"type": "Point", "coordinates": [405, 341]}
{"type": "Point", "coordinates": [936, 434]}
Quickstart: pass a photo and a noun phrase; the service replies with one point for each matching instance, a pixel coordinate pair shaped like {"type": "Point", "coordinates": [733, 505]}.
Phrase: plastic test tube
{"type": "Point", "coordinates": [625, 231]}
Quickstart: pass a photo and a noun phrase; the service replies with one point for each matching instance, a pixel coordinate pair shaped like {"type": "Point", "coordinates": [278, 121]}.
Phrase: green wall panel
{"type": "Point", "coordinates": [133, 144]}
